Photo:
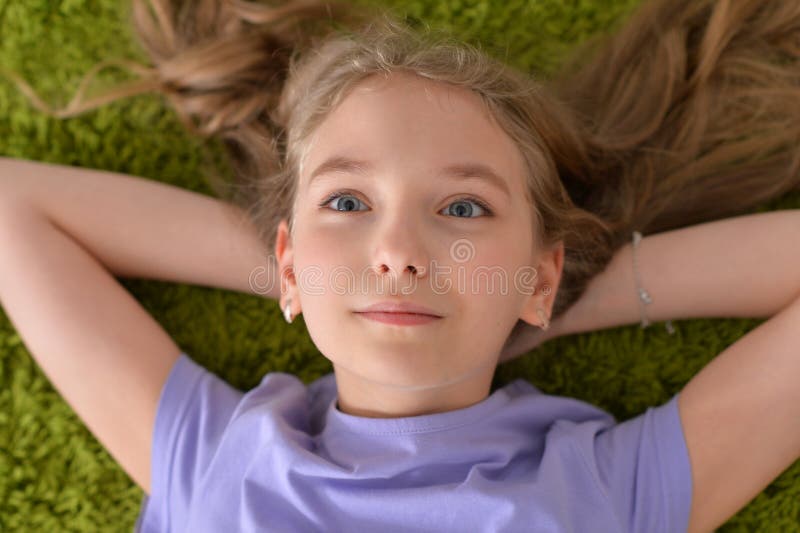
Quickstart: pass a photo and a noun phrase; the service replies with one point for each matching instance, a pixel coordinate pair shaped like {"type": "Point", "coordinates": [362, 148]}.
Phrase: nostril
{"type": "Point", "coordinates": [383, 269]}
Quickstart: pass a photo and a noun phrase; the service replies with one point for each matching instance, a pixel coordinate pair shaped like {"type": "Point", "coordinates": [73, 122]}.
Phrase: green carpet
{"type": "Point", "coordinates": [55, 476]}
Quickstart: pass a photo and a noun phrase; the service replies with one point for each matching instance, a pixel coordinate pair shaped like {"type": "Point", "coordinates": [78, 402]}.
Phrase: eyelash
{"type": "Point", "coordinates": [337, 194]}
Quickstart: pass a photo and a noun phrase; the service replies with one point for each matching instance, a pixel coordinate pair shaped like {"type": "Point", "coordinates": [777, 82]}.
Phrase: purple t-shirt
{"type": "Point", "coordinates": [283, 458]}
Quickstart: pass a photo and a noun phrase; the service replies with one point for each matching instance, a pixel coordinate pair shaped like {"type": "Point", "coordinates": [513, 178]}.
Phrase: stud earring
{"type": "Point", "coordinates": [287, 311]}
{"type": "Point", "coordinates": [543, 318]}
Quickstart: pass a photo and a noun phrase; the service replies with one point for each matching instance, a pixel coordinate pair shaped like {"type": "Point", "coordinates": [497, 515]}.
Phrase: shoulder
{"type": "Point", "coordinates": [641, 464]}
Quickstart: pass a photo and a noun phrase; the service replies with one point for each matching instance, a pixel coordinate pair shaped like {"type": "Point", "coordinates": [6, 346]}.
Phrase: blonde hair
{"type": "Point", "coordinates": [689, 112]}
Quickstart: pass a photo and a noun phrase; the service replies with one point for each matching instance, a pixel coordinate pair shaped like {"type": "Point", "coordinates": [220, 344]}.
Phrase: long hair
{"type": "Point", "coordinates": [689, 112]}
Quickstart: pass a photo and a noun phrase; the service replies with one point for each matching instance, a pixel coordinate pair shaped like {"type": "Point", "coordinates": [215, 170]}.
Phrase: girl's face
{"type": "Point", "coordinates": [400, 208]}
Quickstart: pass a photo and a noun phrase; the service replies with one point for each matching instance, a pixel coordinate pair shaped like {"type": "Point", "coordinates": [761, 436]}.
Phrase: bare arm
{"type": "Point", "coordinates": [140, 228]}
{"type": "Point", "coordinates": [745, 266]}
{"type": "Point", "coordinates": [64, 232]}
{"type": "Point", "coordinates": [741, 413]}
{"type": "Point", "coordinates": [106, 356]}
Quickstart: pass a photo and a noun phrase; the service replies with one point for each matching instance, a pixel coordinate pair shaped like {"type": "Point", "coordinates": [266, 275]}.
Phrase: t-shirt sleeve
{"type": "Point", "coordinates": [193, 411]}
{"type": "Point", "coordinates": [642, 465]}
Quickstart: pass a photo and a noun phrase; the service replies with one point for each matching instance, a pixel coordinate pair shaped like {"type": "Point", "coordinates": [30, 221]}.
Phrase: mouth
{"type": "Point", "coordinates": [399, 318]}
{"type": "Point", "coordinates": [399, 307]}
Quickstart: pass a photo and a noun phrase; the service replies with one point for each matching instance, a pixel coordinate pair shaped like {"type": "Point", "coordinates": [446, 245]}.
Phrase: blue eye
{"type": "Point", "coordinates": [341, 194]}
{"type": "Point", "coordinates": [350, 203]}
{"type": "Point", "coordinates": [469, 210]}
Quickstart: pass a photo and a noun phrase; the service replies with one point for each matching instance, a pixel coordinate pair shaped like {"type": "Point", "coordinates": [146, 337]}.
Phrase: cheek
{"type": "Point", "coordinates": [322, 252]}
{"type": "Point", "coordinates": [496, 282]}
{"type": "Point", "coordinates": [329, 277]}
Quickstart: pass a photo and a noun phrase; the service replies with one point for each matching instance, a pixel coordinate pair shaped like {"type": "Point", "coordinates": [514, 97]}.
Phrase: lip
{"type": "Point", "coordinates": [405, 308]}
{"type": "Point", "coordinates": [399, 319]}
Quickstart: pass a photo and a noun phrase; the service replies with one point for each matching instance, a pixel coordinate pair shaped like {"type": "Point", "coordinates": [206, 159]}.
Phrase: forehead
{"type": "Point", "coordinates": [403, 119]}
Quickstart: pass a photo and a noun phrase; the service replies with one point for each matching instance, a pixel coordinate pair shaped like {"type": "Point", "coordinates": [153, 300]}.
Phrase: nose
{"type": "Point", "coordinates": [399, 247]}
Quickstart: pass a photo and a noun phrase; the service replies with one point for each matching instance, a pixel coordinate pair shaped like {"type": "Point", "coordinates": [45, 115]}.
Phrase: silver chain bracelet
{"type": "Point", "coordinates": [644, 297]}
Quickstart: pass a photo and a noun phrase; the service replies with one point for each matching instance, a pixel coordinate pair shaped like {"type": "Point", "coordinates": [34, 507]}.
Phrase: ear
{"type": "Point", "coordinates": [548, 272]}
{"type": "Point", "coordinates": [284, 253]}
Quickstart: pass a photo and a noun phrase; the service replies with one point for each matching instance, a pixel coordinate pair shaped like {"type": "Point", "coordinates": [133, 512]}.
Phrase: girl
{"type": "Point", "coordinates": [433, 212]}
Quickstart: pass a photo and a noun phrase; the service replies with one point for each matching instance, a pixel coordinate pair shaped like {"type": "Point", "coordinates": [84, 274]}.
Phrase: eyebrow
{"type": "Point", "coordinates": [478, 171]}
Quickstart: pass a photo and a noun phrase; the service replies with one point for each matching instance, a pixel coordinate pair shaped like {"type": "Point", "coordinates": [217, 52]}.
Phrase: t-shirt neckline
{"type": "Point", "coordinates": [429, 423]}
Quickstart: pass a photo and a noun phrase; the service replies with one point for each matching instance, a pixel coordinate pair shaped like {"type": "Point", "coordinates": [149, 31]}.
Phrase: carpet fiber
{"type": "Point", "coordinates": [55, 476]}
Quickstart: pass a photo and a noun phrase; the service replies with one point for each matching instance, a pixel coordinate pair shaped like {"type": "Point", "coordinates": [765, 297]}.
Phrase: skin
{"type": "Point", "coordinates": [403, 213]}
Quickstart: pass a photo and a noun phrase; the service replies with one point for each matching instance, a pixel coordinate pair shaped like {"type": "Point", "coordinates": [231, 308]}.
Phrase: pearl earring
{"type": "Point", "coordinates": [543, 318]}
{"type": "Point", "coordinates": [287, 311]}
{"type": "Point", "coordinates": [546, 290]}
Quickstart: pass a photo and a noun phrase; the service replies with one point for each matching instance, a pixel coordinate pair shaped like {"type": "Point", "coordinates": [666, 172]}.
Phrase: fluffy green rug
{"type": "Point", "coordinates": [55, 476]}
